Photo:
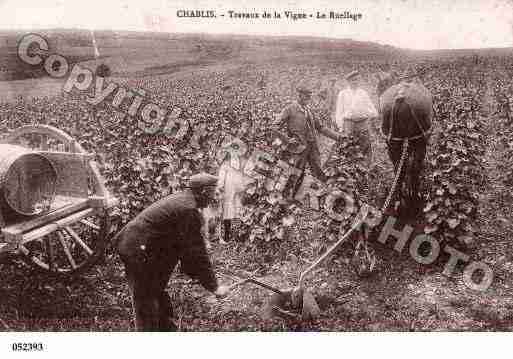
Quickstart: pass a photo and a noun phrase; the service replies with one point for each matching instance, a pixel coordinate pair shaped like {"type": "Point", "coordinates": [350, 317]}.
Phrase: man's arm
{"type": "Point", "coordinates": [340, 108]}
{"type": "Point", "coordinates": [221, 178]}
{"type": "Point", "coordinates": [194, 256]}
{"type": "Point", "coordinates": [334, 135]}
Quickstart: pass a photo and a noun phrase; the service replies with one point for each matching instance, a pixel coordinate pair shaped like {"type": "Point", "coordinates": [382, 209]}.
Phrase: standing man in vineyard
{"type": "Point", "coordinates": [354, 112]}
{"type": "Point", "coordinates": [151, 245]}
{"type": "Point", "coordinates": [301, 128]}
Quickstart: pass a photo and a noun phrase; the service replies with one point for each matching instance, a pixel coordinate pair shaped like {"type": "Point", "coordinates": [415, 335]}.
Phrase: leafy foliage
{"type": "Point", "coordinates": [455, 172]}
{"type": "Point", "coordinates": [240, 101]}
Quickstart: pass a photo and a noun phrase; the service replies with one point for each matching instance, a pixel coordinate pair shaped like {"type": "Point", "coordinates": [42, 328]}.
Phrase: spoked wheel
{"type": "Point", "coordinates": [69, 243]}
{"type": "Point", "coordinates": [71, 250]}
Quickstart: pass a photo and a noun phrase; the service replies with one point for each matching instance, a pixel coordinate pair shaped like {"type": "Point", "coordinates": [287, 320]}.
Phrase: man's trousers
{"type": "Point", "coordinates": [311, 156]}
{"type": "Point", "coordinates": [148, 274]}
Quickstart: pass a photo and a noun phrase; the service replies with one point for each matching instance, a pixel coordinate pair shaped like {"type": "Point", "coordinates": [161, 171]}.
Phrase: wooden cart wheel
{"type": "Point", "coordinates": [71, 250]}
{"type": "Point", "coordinates": [76, 247]}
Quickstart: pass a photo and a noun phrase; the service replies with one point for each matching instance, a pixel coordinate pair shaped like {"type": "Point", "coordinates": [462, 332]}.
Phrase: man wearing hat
{"type": "Point", "coordinates": [151, 245]}
{"type": "Point", "coordinates": [301, 128]}
{"type": "Point", "coordinates": [354, 110]}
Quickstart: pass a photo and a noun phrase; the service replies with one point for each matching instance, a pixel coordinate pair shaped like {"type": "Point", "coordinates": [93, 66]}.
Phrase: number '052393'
{"type": "Point", "coordinates": [27, 347]}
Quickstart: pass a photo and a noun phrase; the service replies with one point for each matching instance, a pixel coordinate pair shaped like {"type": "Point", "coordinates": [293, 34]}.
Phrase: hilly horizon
{"type": "Point", "coordinates": [135, 53]}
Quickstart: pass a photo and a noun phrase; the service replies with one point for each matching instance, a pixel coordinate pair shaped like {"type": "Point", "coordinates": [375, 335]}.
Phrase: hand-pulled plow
{"type": "Point", "coordinates": [299, 302]}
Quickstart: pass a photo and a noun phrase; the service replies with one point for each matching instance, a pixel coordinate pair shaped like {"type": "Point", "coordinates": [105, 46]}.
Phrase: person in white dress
{"type": "Point", "coordinates": [230, 186]}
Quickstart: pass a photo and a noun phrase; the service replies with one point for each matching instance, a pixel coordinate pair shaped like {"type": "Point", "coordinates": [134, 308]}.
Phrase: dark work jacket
{"type": "Point", "coordinates": [300, 126]}
{"type": "Point", "coordinates": [166, 232]}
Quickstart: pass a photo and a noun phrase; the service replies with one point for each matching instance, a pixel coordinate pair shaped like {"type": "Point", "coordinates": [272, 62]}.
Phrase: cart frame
{"type": "Point", "coordinates": [73, 234]}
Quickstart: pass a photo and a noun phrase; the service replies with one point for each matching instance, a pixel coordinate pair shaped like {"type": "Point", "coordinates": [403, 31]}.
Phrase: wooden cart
{"type": "Point", "coordinates": [54, 207]}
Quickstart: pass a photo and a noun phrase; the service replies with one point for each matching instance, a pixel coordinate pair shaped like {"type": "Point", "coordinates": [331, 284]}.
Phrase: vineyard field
{"type": "Point", "coordinates": [234, 88]}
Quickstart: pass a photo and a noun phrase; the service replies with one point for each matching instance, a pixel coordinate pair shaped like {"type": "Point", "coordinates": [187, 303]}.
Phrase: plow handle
{"type": "Point", "coordinates": [257, 282]}
{"type": "Point", "coordinates": [264, 285]}
{"type": "Point", "coordinates": [329, 251]}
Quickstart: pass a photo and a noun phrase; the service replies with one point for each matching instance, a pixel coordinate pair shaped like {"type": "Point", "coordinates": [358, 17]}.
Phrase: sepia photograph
{"type": "Point", "coordinates": [255, 166]}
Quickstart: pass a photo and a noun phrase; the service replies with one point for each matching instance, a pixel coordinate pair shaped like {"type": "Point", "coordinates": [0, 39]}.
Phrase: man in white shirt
{"type": "Point", "coordinates": [353, 113]}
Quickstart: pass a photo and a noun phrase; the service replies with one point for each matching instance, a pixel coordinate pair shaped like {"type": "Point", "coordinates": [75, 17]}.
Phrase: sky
{"type": "Point", "coordinates": [415, 24]}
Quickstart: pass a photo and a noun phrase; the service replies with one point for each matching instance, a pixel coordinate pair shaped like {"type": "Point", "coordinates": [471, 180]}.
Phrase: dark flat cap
{"type": "Point", "coordinates": [202, 180]}
{"type": "Point", "coordinates": [352, 74]}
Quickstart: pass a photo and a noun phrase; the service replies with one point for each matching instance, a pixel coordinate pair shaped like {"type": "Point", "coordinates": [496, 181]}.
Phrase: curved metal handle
{"type": "Point", "coordinates": [257, 282]}
{"type": "Point", "coordinates": [265, 285]}
{"type": "Point", "coordinates": [355, 226]}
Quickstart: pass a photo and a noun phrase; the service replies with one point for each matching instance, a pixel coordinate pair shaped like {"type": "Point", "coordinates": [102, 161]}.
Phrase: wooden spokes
{"type": "Point", "coordinates": [72, 243]}
{"type": "Point", "coordinates": [71, 249]}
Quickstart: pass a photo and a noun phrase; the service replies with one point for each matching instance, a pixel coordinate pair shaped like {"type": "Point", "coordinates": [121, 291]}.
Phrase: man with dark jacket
{"type": "Point", "coordinates": [151, 245]}
{"type": "Point", "coordinates": [302, 128]}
